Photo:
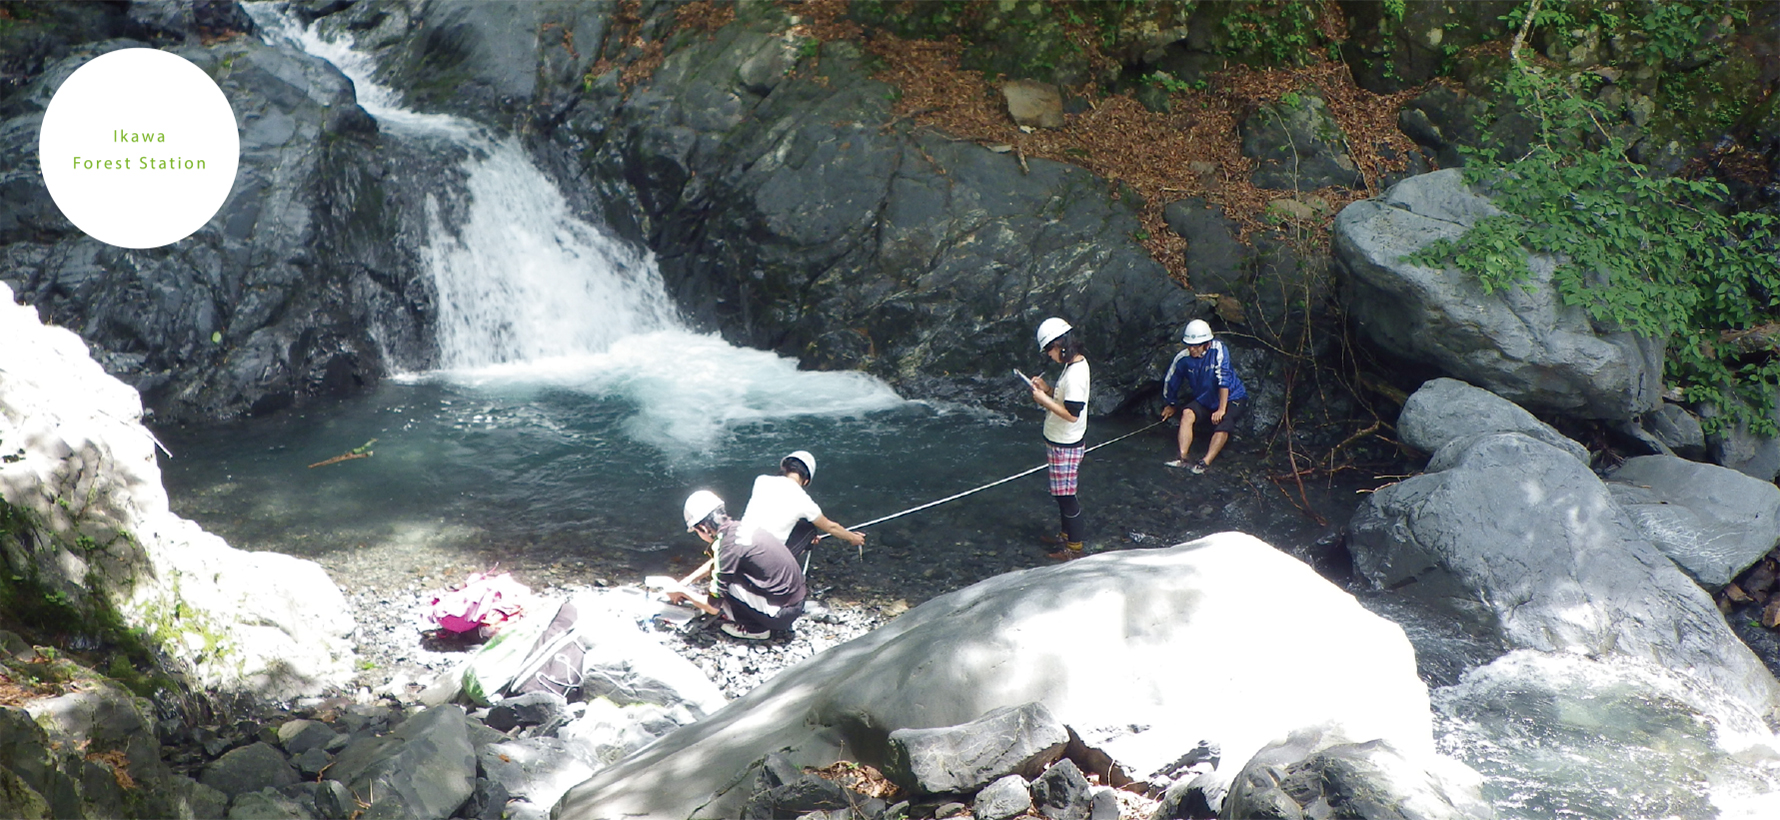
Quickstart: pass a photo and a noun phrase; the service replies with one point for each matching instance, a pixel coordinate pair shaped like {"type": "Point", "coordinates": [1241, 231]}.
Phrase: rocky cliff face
{"type": "Point", "coordinates": [304, 284]}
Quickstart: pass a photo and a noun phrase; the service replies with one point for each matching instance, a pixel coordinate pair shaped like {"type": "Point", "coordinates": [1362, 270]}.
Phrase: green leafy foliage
{"type": "Point", "coordinates": [1656, 31]}
{"type": "Point", "coordinates": [1168, 82]}
{"type": "Point", "coordinates": [1658, 256]}
{"type": "Point", "coordinates": [1278, 32]}
{"type": "Point", "coordinates": [1672, 28]}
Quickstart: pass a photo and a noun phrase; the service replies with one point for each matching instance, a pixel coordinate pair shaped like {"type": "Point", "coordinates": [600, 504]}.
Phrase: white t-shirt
{"type": "Point", "coordinates": [1071, 386]}
{"type": "Point", "coordinates": [776, 506]}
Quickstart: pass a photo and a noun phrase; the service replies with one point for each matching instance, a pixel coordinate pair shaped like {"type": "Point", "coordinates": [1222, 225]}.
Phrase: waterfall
{"type": "Point", "coordinates": [523, 279]}
{"type": "Point", "coordinates": [531, 295]}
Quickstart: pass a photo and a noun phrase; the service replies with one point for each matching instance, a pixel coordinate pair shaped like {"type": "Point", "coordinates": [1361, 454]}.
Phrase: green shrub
{"type": "Point", "coordinates": [1648, 254]}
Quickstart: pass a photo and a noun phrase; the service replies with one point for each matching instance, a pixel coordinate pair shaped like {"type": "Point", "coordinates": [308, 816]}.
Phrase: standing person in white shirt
{"type": "Point", "coordinates": [1066, 424]}
{"type": "Point", "coordinates": [781, 507]}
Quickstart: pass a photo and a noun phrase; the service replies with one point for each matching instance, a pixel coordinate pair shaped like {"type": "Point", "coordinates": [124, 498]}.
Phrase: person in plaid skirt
{"type": "Point", "coordinates": [1066, 424]}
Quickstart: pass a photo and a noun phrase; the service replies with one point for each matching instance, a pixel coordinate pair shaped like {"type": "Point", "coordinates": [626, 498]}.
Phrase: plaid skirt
{"type": "Point", "coordinates": [1066, 464]}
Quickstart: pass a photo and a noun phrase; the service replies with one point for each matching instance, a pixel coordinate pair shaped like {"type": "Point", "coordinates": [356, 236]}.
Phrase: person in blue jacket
{"type": "Point", "coordinates": [1202, 386]}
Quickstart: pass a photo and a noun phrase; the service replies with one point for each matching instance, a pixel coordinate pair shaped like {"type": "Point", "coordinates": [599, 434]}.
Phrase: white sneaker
{"type": "Point", "coordinates": [735, 630]}
{"type": "Point", "coordinates": [1176, 463]}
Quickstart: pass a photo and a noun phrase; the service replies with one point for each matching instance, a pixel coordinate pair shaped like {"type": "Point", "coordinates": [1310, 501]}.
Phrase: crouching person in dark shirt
{"type": "Point", "coordinates": [756, 586]}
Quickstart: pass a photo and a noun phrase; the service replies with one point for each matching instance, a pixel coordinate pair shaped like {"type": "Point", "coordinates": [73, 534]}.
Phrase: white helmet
{"type": "Point", "coordinates": [699, 507]}
{"type": "Point", "coordinates": [1197, 332]}
{"type": "Point", "coordinates": [1049, 330]}
{"type": "Point", "coordinates": [809, 463]}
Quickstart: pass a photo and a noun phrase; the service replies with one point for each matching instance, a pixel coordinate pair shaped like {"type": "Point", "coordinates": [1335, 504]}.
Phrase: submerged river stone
{"type": "Point", "coordinates": [1144, 653]}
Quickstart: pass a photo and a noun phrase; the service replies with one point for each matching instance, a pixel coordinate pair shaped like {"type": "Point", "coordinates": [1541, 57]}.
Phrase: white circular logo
{"type": "Point", "coordinates": [139, 148]}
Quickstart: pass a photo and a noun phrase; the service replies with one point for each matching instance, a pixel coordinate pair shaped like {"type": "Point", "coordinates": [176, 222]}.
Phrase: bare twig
{"type": "Point", "coordinates": [1520, 37]}
{"type": "Point", "coordinates": [339, 458]}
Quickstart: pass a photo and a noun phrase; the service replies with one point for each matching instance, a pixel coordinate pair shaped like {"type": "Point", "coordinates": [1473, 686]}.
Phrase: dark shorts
{"type": "Point", "coordinates": [753, 620]}
{"type": "Point", "coordinates": [803, 535]}
{"type": "Point", "coordinates": [1202, 415]}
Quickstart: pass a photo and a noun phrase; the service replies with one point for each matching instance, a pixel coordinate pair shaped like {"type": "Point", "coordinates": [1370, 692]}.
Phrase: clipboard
{"type": "Point", "coordinates": [1024, 379]}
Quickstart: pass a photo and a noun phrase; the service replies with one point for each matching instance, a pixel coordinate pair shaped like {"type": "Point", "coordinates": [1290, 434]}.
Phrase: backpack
{"type": "Point", "coordinates": [555, 661]}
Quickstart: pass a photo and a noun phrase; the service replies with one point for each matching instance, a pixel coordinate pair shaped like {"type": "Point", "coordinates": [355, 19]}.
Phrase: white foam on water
{"type": "Point", "coordinates": [1564, 735]}
{"type": "Point", "coordinates": [524, 279]}
{"type": "Point", "coordinates": [690, 390]}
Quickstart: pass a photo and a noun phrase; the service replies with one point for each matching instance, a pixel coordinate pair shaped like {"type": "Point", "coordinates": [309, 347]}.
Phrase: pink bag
{"type": "Point", "coordinates": [483, 600]}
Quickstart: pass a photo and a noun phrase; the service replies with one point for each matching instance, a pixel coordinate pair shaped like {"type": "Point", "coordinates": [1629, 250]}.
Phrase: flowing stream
{"type": "Point", "coordinates": [575, 411]}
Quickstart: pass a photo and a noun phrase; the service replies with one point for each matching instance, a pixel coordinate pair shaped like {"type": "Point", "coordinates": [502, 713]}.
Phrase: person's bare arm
{"type": "Point", "coordinates": [827, 525]}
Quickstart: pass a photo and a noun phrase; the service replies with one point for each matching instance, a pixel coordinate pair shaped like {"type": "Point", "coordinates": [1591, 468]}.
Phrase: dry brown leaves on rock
{"type": "Point", "coordinates": [640, 57]}
{"type": "Point", "coordinates": [14, 693]}
{"type": "Point", "coordinates": [860, 778]}
{"type": "Point", "coordinates": [1194, 150]}
{"type": "Point", "coordinates": [705, 16]}
{"type": "Point", "coordinates": [119, 764]}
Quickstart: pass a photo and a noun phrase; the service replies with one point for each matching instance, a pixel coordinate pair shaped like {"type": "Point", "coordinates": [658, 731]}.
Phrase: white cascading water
{"type": "Point", "coordinates": [524, 280]}
{"type": "Point", "coordinates": [531, 295]}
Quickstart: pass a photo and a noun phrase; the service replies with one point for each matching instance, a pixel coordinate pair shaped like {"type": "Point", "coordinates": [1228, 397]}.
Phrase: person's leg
{"type": "Point", "coordinates": [1220, 434]}
{"type": "Point", "coordinates": [752, 620]}
{"type": "Point", "coordinates": [1185, 438]}
{"type": "Point", "coordinates": [1071, 513]}
{"type": "Point", "coordinates": [743, 615]}
{"type": "Point", "coordinates": [1215, 446]}
{"type": "Point", "coordinates": [1066, 465]}
{"type": "Point", "coordinates": [782, 622]}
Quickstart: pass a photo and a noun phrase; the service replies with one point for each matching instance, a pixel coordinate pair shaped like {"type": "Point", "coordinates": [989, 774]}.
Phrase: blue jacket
{"type": "Point", "coordinates": [1202, 377]}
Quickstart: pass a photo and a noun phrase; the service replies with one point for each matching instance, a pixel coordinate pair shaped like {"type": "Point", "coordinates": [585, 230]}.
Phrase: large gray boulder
{"type": "Point", "coordinates": [1006, 798]}
{"type": "Point", "coordinates": [1116, 645]}
{"type": "Point", "coordinates": [1714, 522]}
{"type": "Point", "coordinates": [93, 531]}
{"type": "Point", "coordinates": [1061, 793]}
{"type": "Point", "coordinates": [1304, 776]}
{"type": "Point", "coordinates": [423, 770]}
{"type": "Point", "coordinates": [1513, 533]}
{"type": "Point", "coordinates": [104, 717]}
{"type": "Point", "coordinates": [1020, 740]}
{"type": "Point", "coordinates": [1298, 146]}
{"type": "Point", "coordinates": [1742, 449]}
{"type": "Point", "coordinates": [248, 769]}
{"type": "Point", "coordinates": [1521, 343]}
{"type": "Point", "coordinates": [268, 804]}
{"type": "Point", "coordinates": [60, 756]}
{"type": "Point", "coordinates": [1443, 411]}
{"type": "Point", "coordinates": [1677, 430]}
{"type": "Point", "coordinates": [37, 774]}
{"type": "Point", "coordinates": [536, 769]}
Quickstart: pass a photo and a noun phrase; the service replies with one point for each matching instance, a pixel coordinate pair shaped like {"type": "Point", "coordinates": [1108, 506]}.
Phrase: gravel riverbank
{"type": "Point", "coordinates": [400, 655]}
